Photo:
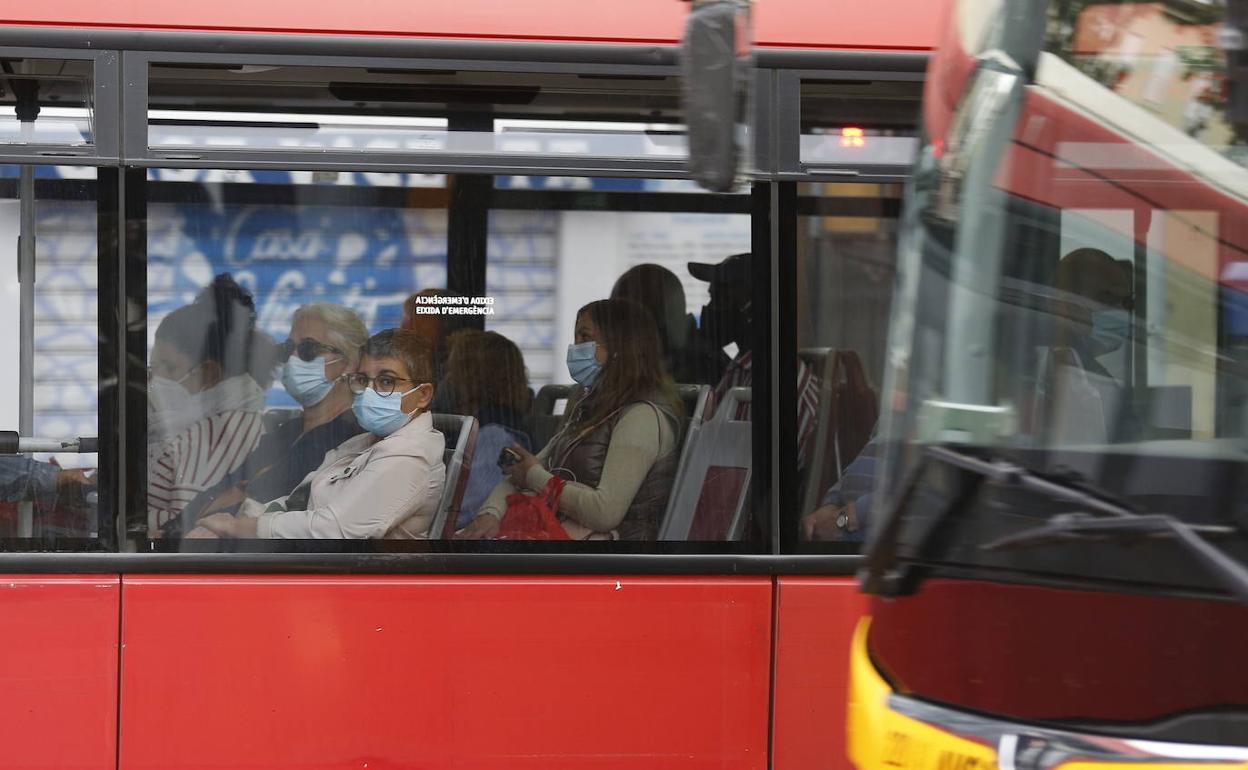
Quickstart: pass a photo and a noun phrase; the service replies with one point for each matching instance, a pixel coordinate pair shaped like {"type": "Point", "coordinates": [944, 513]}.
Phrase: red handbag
{"type": "Point", "coordinates": [532, 517]}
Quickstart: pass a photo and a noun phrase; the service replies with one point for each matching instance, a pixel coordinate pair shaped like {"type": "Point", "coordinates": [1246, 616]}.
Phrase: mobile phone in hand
{"type": "Point", "coordinates": [508, 457]}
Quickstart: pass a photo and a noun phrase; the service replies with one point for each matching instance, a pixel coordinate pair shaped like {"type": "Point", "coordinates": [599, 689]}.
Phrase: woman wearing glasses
{"type": "Point", "coordinates": [324, 345]}
{"type": "Point", "coordinates": [209, 369]}
{"type": "Point", "coordinates": [385, 483]}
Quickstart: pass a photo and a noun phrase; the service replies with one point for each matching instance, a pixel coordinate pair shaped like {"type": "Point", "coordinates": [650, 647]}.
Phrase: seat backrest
{"type": "Point", "coordinates": [848, 410]}
{"type": "Point", "coordinates": [460, 432]}
{"type": "Point", "coordinates": [713, 479]}
{"type": "Point", "coordinates": [695, 413]}
{"type": "Point", "coordinates": [543, 422]}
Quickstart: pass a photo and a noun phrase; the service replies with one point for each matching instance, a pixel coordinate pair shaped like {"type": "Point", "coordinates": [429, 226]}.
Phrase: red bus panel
{"type": "Point", "coordinates": [436, 671]}
{"type": "Point", "coordinates": [815, 620]}
{"type": "Point", "coordinates": [58, 674]}
{"type": "Point", "coordinates": [886, 24]}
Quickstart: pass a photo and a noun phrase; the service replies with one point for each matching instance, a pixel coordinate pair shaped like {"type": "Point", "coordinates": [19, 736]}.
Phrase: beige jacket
{"type": "Point", "coordinates": [366, 488]}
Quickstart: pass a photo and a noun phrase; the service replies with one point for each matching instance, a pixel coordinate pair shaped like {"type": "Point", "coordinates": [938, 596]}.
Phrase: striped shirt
{"type": "Point", "coordinates": [195, 459]}
{"type": "Point", "coordinates": [740, 373]}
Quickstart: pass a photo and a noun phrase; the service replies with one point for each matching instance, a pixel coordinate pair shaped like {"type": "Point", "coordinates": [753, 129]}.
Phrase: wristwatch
{"type": "Point", "coordinates": [846, 521]}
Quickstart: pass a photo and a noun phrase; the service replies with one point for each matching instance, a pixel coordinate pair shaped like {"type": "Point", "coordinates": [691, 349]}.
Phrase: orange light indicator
{"type": "Point", "coordinates": [852, 136]}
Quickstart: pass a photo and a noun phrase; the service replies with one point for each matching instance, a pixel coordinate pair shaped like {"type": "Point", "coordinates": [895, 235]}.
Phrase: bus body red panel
{"type": "Point", "coordinates": [1035, 653]}
{"type": "Point", "coordinates": [815, 621]}
{"type": "Point", "coordinates": [58, 674]}
{"type": "Point", "coordinates": [436, 671]}
{"type": "Point", "coordinates": [884, 24]}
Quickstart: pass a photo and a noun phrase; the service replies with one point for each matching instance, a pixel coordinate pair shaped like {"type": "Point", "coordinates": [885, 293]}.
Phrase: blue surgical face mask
{"type": "Point", "coordinates": [378, 414]}
{"type": "Point", "coordinates": [583, 363]}
{"type": "Point", "coordinates": [1110, 329]}
{"type": "Point", "coordinates": [305, 381]}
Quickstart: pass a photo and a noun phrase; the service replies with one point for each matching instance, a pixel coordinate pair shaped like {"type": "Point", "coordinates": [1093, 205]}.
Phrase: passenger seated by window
{"type": "Point", "coordinates": [619, 447]}
{"type": "Point", "coordinates": [727, 319]}
{"type": "Point", "coordinates": [844, 512]}
{"type": "Point", "coordinates": [687, 355]}
{"type": "Point", "coordinates": [209, 370]}
{"type": "Point", "coordinates": [1102, 325]}
{"type": "Point", "coordinates": [384, 483]}
{"type": "Point", "coordinates": [27, 479]}
{"type": "Point", "coordinates": [485, 372]}
{"type": "Point", "coordinates": [324, 344]}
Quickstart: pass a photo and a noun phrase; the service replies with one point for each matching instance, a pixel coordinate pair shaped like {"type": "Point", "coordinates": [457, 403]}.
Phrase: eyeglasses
{"type": "Point", "coordinates": [307, 349]}
{"type": "Point", "coordinates": [383, 383]}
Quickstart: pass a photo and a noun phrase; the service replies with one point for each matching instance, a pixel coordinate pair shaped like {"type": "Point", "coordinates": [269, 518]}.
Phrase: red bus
{"type": "Point", "coordinates": [1058, 566]}
{"type": "Point", "coordinates": [275, 170]}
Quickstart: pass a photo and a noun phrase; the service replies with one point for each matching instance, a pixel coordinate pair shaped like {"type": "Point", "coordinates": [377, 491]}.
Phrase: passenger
{"type": "Point", "coordinates": [384, 483]}
{"type": "Point", "coordinates": [1104, 324]}
{"type": "Point", "coordinates": [26, 479]}
{"type": "Point", "coordinates": [844, 512]}
{"type": "Point", "coordinates": [619, 446]}
{"type": "Point", "coordinates": [726, 319]}
{"type": "Point", "coordinates": [687, 356]}
{"type": "Point", "coordinates": [324, 344]}
{"type": "Point", "coordinates": [485, 371]}
{"type": "Point", "coordinates": [209, 370]}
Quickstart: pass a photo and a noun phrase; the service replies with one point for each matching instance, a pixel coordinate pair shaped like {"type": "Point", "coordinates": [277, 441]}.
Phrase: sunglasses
{"type": "Point", "coordinates": [307, 349]}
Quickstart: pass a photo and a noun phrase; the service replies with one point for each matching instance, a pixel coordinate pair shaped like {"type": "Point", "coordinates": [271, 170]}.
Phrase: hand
{"type": "Point", "coordinates": [484, 527]}
{"type": "Point", "coordinates": [228, 499]}
{"type": "Point", "coordinates": [226, 525]}
{"type": "Point", "coordinates": [76, 476]}
{"type": "Point", "coordinates": [200, 533]}
{"type": "Point", "coordinates": [820, 524]}
{"type": "Point", "coordinates": [518, 473]}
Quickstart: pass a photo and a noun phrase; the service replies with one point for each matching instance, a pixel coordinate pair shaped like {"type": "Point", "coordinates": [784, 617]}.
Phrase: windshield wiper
{"type": "Point", "coordinates": [1076, 527]}
{"type": "Point", "coordinates": [1113, 517]}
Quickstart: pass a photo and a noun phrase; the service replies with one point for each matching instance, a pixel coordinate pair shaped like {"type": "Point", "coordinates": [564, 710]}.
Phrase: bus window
{"type": "Point", "coordinates": [483, 335]}
{"type": "Point", "coordinates": [857, 124]}
{"type": "Point", "coordinates": [46, 101]}
{"type": "Point", "coordinates": [465, 112]}
{"type": "Point", "coordinates": [49, 493]}
{"type": "Point", "coordinates": [263, 287]}
{"type": "Point", "coordinates": [1073, 303]}
{"type": "Point", "coordinates": [847, 244]}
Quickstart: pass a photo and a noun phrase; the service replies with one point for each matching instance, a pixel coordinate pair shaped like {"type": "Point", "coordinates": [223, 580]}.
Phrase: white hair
{"type": "Point", "coordinates": [346, 331]}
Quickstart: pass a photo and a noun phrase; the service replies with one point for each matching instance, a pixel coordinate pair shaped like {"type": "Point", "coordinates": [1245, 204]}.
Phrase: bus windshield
{"type": "Point", "coordinates": [1074, 296]}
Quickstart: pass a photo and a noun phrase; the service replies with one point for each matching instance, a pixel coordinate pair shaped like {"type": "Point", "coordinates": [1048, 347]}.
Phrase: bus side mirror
{"type": "Point", "coordinates": [714, 63]}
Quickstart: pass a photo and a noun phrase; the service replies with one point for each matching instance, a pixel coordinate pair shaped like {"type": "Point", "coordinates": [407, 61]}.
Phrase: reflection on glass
{"type": "Point", "coordinates": [45, 101]}
{"type": "Point", "coordinates": [301, 108]}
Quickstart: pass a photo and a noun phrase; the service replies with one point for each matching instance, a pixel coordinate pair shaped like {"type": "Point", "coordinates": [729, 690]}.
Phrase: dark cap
{"type": "Point", "coordinates": [734, 270]}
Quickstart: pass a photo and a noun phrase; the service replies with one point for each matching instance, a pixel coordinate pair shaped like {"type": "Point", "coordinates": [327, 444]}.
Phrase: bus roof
{"type": "Point", "coordinates": [844, 24]}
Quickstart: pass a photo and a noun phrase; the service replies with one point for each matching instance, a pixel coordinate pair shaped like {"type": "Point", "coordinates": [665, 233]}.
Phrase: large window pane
{"type": "Point", "coordinates": [846, 259]}
{"type": "Point", "coordinates": [515, 331]}
{"type": "Point", "coordinates": [48, 218]}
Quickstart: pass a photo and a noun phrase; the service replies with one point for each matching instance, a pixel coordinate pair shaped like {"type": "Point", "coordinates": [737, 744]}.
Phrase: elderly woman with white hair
{"type": "Point", "coordinates": [324, 344]}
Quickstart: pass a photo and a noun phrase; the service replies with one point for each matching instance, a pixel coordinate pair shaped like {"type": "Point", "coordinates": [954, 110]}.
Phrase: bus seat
{"type": "Point", "coordinates": [695, 398]}
{"type": "Point", "coordinates": [848, 410]}
{"type": "Point", "coordinates": [460, 432]}
{"type": "Point", "coordinates": [543, 422]}
{"type": "Point", "coordinates": [713, 478]}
